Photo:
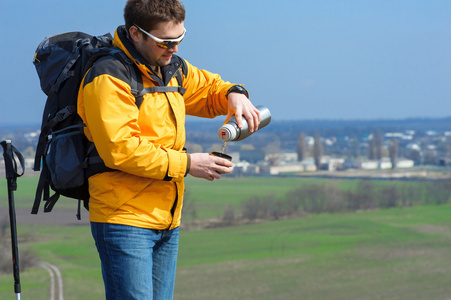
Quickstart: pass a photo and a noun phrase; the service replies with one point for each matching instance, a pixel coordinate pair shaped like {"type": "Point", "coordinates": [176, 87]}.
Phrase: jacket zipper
{"type": "Point", "coordinates": [174, 206]}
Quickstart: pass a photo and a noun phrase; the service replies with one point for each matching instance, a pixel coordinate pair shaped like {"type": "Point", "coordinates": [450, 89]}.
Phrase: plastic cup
{"type": "Point", "coordinates": [219, 154]}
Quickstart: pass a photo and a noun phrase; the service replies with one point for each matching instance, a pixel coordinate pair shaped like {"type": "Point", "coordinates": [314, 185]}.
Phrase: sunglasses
{"type": "Point", "coordinates": [165, 44]}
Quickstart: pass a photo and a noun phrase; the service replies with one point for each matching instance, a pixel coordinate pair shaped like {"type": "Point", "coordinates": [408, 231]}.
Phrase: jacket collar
{"type": "Point", "coordinates": [122, 41]}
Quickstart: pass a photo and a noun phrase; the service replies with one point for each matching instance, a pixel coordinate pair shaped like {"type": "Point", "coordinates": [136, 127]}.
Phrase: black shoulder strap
{"type": "Point", "coordinates": [179, 77]}
{"type": "Point", "coordinates": [43, 187]}
{"type": "Point", "coordinates": [136, 83]}
{"type": "Point", "coordinates": [161, 89]}
{"type": "Point", "coordinates": [140, 91]}
{"type": "Point", "coordinates": [183, 70]}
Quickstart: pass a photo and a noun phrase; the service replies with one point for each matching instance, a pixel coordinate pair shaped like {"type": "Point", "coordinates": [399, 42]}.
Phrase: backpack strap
{"type": "Point", "coordinates": [50, 202]}
{"type": "Point", "coordinates": [94, 163]}
{"type": "Point", "coordinates": [136, 84]}
{"type": "Point", "coordinates": [161, 89]}
{"type": "Point", "coordinates": [43, 188]}
{"type": "Point", "coordinates": [70, 62]}
{"type": "Point", "coordinates": [179, 77]}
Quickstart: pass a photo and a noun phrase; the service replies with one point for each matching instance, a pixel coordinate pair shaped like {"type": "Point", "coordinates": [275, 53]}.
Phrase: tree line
{"type": "Point", "coordinates": [331, 198]}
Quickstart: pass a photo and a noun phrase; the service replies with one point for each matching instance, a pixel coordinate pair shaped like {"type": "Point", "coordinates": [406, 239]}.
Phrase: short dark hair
{"type": "Point", "coordinates": [148, 13]}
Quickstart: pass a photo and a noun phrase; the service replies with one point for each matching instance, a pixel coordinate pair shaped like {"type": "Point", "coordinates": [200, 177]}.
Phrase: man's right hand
{"type": "Point", "coordinates": [204, 165]}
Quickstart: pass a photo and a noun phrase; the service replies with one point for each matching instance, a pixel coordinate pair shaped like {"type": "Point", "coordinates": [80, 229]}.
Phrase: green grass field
{"type": "Point", "coordinates": [400, 253]}
{"type": "Point", "coordinates": [393, 254]}
{"type": "Point", "coordinates": [211, 198]}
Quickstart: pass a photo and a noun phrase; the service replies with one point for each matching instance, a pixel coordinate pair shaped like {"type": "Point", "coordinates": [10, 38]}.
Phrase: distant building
{"type": "Point", "coordinates": [332, 164]}
{"type": "Point", "coordinates": [288, 168]}
{"type": "Point", "coordinates": [405, 163]}
{"type": "Point", "coordinates": [385, 164]}
{"type": "Point", "coordinates": [252, 156]}
{"type": "Point", "coordinates": [245, 168]}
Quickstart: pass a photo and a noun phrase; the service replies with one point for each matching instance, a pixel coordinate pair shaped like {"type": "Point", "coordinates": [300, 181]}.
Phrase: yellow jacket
{"type": "Point", "coordinates": [145, 145]}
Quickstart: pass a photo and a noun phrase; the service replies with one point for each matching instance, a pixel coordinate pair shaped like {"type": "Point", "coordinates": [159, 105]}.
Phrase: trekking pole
{"type": "Point", "coordinates": [9, 154]}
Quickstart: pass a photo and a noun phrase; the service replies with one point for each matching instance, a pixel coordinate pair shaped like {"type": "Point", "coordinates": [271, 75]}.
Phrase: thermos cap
{"type": "Point", "coordinates": [227, 133]}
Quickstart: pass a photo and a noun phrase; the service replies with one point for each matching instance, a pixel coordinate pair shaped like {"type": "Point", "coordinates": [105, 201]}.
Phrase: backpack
{"type": "Point", "coordinates": [66, 156]}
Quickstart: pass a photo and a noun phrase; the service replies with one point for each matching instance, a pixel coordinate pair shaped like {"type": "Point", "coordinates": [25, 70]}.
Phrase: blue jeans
{"type": "Point", "coordinates": [137, 263]}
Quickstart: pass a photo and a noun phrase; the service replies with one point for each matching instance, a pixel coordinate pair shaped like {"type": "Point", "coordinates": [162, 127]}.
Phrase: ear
{"type": "Point", "coordinates": [134, 33]}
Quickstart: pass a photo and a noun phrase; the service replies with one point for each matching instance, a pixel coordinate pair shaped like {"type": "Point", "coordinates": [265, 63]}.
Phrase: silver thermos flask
{"type": "Point", "coordinates": [231, 132]}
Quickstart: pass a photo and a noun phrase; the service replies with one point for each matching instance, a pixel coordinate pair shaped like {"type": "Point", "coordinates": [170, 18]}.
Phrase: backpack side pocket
{"type": "Point", "coordinates": [66, 160]}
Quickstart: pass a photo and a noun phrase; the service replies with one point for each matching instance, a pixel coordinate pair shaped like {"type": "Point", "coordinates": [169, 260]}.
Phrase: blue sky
{"type": "Point", "coordinates": [303, 59]}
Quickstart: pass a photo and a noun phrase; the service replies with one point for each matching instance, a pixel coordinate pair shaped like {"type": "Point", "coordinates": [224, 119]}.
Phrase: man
{"type": "Point", "coordinates": [135, 210]}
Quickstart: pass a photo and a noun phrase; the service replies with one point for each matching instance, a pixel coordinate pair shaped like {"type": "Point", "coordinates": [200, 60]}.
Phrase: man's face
{"type": "Point", "coordinates": [148, 48]}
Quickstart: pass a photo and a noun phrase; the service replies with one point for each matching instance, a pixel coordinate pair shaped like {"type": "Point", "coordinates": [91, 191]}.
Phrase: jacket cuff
{"type": "Point", "coordinates": [188, 164]}
{"type": "Point", "coordinates": [177, 165]}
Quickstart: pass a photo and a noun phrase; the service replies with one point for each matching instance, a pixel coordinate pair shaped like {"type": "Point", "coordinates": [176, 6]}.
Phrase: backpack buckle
{"type": "Point", "coordinates": [64, 113]}
{"type": "Point", "coordinates": [82, 42]}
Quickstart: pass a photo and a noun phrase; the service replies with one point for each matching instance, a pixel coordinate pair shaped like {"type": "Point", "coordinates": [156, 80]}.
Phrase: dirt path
{"type": "Point", "coordinates": [56, 281]}
{"type": "Point", "coordinates": [57, 217]}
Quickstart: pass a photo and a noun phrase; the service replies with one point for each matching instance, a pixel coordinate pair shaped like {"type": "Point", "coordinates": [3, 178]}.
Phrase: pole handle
{"type": "Point", "coordinates": [10, 153]}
